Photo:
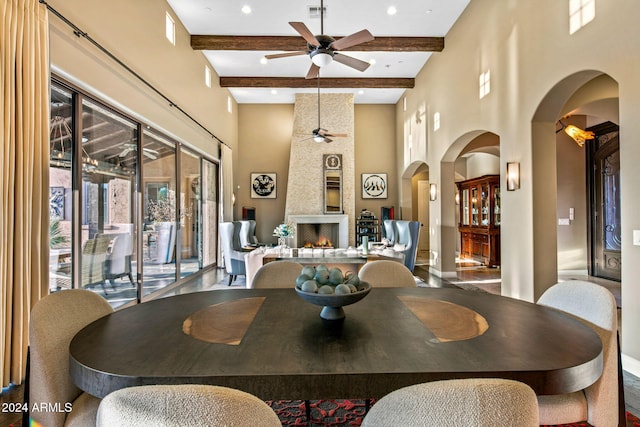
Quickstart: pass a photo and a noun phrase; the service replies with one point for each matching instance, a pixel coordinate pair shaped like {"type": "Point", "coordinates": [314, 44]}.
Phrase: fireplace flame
{"type": "Point", "coordinates": [322, 242]}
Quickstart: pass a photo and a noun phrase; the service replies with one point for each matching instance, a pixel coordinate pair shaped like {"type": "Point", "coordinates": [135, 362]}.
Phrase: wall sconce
{"type": "Point", "coordinates": [577, 134]}
{"type": "Point", "coordinates": [433, 192]}
{"type": "Point", "coordinates": [513, 176]}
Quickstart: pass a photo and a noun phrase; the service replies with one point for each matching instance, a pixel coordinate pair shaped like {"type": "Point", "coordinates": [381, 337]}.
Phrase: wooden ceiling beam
{"type": "Point", "coordinates": [295, 43]}
{"type": "Point", "coordinates": [326, 83]}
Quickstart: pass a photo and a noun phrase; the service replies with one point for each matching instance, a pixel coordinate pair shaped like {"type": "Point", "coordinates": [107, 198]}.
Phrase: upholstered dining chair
{"type": "Point", "coordinates": [55, 319]}
{"type": "Point", "coordinates": [233, 256]}
{"type": "Point", "coordinates": [595, 306]}
{"type": "Point", "coordinates": [277, 274]}
{"type": "Point", "coordinates": [479, 402]}
{"type": "Point", "coordinates": [389, 230]}
{"type": "Point", "coordinates": [184, 405]}
{"type": "Point", "coordinates": [386, 274]}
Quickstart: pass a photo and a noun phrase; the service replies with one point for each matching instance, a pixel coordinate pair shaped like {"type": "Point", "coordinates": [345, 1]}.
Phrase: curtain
{"type": "Point", "coordinates": [24, 162]}
{"type": "Point", "coordinates": [226, 163]}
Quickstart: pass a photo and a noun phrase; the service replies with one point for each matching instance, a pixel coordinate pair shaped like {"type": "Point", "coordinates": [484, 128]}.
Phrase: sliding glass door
{"type": "Point", "coordinates": [131, 211]}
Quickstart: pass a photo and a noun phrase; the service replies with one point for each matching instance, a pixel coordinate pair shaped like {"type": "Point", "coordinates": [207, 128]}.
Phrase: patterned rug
{"type": "Point", "coordinates": [349, 413]}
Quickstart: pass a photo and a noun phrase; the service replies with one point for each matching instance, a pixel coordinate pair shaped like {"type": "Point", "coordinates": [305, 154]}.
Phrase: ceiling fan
{"type": "Point", "coordinates": [319, 134]}
{"type": "Point", "coordinates": [147, 152]}
{"type": "Point", "coordinates": [323, 49]}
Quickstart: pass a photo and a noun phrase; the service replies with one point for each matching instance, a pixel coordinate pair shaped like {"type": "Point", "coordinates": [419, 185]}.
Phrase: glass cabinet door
{"type": "Point", "coordinates": [474, 206]}
{"type": "Point", "coordinates": [484, 205]}
{"type": "Point", "coordinates": [496, 206]}
{"type": "Point", "coordinates": [465, 206]}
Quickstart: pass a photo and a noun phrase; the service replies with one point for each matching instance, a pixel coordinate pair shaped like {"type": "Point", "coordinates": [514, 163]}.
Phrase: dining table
{"type": "Point", "coordinates": [273, 344]}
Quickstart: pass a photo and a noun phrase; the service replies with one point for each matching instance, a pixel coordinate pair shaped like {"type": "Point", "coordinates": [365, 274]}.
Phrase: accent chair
{"type": "Point", "coordinates": [595, 306]}
{"type": "Point", "coordinates": [55, 319]}
{"type": "Point", "coordinates": [478, 402]}
{"type": "Point", "coordinates": [184, 405]}
{"type": "Point", "coordinates": [231, 250]}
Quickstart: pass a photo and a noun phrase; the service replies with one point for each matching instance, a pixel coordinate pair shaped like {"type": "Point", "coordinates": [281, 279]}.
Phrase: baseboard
{"type": "Point", "coordinates": [631, 365]}
{"type": "Point", "coordinates": [573, 272]}
{"type": "Point", "coordinates": [443, 274]}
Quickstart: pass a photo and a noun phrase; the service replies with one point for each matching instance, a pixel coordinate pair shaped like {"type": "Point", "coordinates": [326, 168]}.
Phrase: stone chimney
{"type": "Point", "coordinates": [305, 192]}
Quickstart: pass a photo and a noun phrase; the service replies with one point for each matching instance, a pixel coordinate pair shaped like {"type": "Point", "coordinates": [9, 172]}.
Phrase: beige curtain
{"type": "Point", "coordinates": [24, 186]}
{"type": "Point", "coordinates": [226, 163]}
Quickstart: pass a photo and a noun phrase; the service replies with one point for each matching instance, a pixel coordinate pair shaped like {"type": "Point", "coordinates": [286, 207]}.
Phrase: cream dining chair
{"type": "Point", "coordinates": [387, 274]}
{"type": "Point", "coordinates": [184, 405]}
{"type": "Point", "coordinates": [277, 274]}
{"type": "Point", "coordinates": [478, 402]}
{"type": "Point", "coordinates": [595, 306]}
{"type": "Point", "coordinates": [55, 319]}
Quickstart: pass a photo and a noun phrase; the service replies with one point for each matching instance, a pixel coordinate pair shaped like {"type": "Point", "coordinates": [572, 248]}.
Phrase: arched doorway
{"type": "Point", "coordinates": [568, 198]}
{"type": "Point", "coordinates": [415, 205]}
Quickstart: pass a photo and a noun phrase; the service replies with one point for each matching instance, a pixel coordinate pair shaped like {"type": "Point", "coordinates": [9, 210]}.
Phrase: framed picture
{"type": "Point", "coordinates": [263, 185]}
{"type": "Point", "coordinates": [374, 185]}
{"type": "Point", "coordinates": [56, 202]}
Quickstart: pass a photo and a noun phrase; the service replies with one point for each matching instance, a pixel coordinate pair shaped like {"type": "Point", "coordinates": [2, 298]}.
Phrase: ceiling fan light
{"type": "Point", "coordinates": [321, 59]}
{"type": "Point", "coordinates": [318, 138]}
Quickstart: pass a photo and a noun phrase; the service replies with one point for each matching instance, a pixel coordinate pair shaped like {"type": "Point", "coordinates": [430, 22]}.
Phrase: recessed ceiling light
{"type": "Point", "coordinates": [392, 10]}
{"type": "Point", "coordinates": [246, 9]}
{"type": "Point", "coordinates": [263, 60]}
{"type": "Point", "coordinates": [360, 92]}
{"type": "Point", "coordinates": [372, 61]}
{"type": "Point", "coordinates": [428, 11]}
{"type": "Point", "coordinates": [274, 92]}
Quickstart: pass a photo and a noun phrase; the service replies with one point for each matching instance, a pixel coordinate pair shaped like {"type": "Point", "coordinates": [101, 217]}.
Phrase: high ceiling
{"type": "Point", "coordinates": [421, 24]}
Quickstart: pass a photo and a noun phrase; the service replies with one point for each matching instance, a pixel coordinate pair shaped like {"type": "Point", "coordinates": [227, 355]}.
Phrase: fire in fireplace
{"type": "Point", "coordinates": [317, 235]}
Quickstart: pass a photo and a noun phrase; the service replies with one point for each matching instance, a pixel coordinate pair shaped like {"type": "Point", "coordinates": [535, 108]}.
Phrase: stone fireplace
{"type": "Point", "coordinates": [305, 185]}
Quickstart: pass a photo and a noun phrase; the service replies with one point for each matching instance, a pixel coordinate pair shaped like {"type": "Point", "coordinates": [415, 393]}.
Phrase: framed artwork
{"type": "Point", "coordinates": [56, 202]}
{"type": "Point", "coordinates": [263, 185]}
{"type": "Point", "coordinates": [374, 185]}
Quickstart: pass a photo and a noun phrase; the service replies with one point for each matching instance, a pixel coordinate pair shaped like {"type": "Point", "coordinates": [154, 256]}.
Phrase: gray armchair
{"type": "Point", "coordinates": [406, 237]}
{"type": "Point", "coordinates": [231, 249]}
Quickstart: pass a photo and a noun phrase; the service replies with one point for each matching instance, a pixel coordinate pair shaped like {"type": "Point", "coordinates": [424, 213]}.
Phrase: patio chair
{"type": "Point", "coordinates": [118, 261]}
{"type": "Point", "coordinates": [94, 256]}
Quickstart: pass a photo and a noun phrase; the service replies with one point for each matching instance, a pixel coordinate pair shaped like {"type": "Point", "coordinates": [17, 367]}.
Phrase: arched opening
{"type": "Point", "coordinates": [575, 188]}
{"type": "Point", "coordinates": [416, 206]}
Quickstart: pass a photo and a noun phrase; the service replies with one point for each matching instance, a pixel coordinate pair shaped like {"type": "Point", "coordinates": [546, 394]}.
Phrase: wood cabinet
{"type": "Point", "coordinates": [480, 219]}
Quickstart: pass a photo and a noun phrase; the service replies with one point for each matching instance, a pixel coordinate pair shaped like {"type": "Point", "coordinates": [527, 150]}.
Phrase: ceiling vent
{"type": "Point", "coordinates": [314, 12]}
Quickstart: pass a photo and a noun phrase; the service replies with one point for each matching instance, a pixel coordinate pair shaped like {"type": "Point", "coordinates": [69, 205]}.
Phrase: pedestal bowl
{"type": "Point", "coordinates": [332, 303]}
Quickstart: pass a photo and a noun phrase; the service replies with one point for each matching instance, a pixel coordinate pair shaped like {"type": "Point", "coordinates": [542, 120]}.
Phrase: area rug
{"type": "Point", "coordinates": [349, 413]}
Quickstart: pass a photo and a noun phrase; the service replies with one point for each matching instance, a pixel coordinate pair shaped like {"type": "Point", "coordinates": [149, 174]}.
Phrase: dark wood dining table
{"type": "Point", "coordinates": [273, 344]}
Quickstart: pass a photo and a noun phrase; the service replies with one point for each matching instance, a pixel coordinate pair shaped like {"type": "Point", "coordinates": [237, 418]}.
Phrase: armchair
{"type": "Point", "coordinates": [406, 241]}
{"type": "Point", "coordinates": [94, 255]}
{"type": "Point", "coordinates": [231, 251]}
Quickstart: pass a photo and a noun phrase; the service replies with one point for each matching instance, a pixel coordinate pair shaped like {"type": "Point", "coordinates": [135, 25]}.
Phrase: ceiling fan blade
{"type": "Point", "coordinates": [350, 61]}
{"type": "Point", "coordinates": [352, 40]}
{"type": "Point", "coordinates": [336, 135]}
{"type": "Point", "coordinates": [302, 29]}
{"type": "Point", "coordinates": [149, 155]}
{"type": "Point", "coordinates": [327, 140]}
{"type": "Point", "coordinates": [283, 55]}
{"type": "Point", "coordinates": [313, 72]}
{"type": "Point", "coordinates": [124, 152]}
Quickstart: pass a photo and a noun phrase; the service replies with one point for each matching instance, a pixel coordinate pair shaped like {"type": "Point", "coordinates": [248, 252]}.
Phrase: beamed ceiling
{"type": "Point", "coordinates": [234, 42]}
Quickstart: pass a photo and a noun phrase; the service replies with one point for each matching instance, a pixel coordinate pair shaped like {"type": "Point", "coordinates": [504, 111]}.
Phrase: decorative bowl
{"type": "Point", "coordinates": [333, 303]}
